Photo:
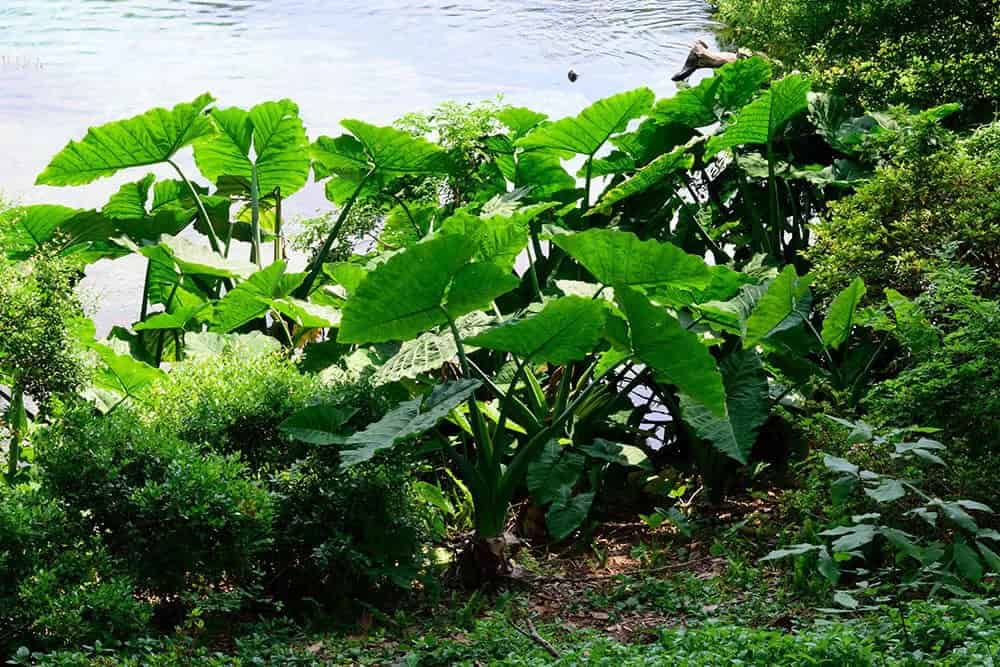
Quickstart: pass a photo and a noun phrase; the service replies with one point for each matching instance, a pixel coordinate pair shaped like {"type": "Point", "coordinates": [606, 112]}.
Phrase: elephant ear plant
{"type": "Point", "coordinates": [435, 286]}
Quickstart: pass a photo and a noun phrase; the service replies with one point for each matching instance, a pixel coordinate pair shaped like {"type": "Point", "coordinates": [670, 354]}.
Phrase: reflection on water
{"type": "Point", "coordinates": [69, 64]}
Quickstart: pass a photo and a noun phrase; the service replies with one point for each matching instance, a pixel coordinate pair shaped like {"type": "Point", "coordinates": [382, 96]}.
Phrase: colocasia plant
{"type": "Point", "coordinates": [525, 305]}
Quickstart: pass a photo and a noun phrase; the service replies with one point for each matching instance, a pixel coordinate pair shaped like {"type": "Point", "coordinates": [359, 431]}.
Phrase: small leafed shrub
{"type": "Point", "coordinates": [339, 533]}
{"type": "Point", "coordinates": [892, 231]}
{"type": "Point", "coordinates": [167, 507]}
{"type": "Point", "coordinates": [920, 53]}
{"type": "Point", "coordinates": [59, 588]}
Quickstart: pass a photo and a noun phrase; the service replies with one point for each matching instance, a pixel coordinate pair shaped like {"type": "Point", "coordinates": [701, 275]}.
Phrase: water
{"type": "Point", "coordinates": [69, 64]}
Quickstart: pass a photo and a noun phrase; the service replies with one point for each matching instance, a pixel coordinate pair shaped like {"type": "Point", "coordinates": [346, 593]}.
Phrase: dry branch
{"type": "Point", "coordinates": [700, 57]}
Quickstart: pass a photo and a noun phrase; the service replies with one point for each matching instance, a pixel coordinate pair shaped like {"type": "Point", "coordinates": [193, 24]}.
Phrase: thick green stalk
{"type": "Point", "coordinates": [505, 406]}
{"type": "Point", "coordinates": [212, 238]}
{"type": "Point", "coordinates": [317, 264]}
{"type": "Point", "coordinates": [279, 248]}
{"type": "Point", "coordinates": [255, 216]}
{"type": "Point", "coordinates": [479, 430]}
{"type": "Point", "coordinates": [144, 308]}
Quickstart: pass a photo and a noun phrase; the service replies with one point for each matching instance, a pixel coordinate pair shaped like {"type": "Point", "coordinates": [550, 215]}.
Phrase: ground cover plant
{"type": "Point", "coordinates": [667, 380]}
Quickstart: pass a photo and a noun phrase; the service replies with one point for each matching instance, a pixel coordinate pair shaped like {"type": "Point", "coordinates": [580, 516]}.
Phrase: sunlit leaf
{"type": "Point", "coordinates": [619, 258]}
{"type": "Point", "coordinates": [565, 330]}
{"type": "Point", "coordinates": [761, 120]}
{"type": "Point", "coordinates": [840, 317]}
{"type": "Point", "coordinates": [271, 133]}
{"type": "Point", "coordinates": [781, 303]}
{"type": "Point", "coordinates": [150, 138]}
{"type": "Point", "coordinates": [587, 132]}
{"type": "Point", "coordinates": [649, 176]}
{"type": "Point", "coordinates": [419, 288]}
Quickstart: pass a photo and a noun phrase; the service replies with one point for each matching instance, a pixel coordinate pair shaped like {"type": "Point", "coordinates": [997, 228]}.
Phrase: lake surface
{"type": "Point", "coordinates": [68, 64]}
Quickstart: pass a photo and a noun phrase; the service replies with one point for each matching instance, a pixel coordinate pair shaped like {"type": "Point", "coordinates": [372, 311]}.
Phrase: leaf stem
{"type": "Point", "coordinates": [317, 264]}
{"type": "Point", "coordinates": [212, 238]}
{"type": "Point", "coordinates": [255, 216]}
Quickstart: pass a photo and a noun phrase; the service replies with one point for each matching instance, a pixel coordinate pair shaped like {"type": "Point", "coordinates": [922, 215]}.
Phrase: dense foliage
{"type": "Point", "coordinates": [511, 329]}
{"type": "Point", "coordinates": [920, 53]}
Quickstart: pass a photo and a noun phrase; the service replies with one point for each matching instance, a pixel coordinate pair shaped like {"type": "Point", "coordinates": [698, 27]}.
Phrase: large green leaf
{"type": "Point", "coordinates": [649, 176]}
{"type": "Point", "coordinates": [319, 424]}
{"type": "Point", "coordinates": [420, 288]}
{"type": "Point", "coordinates": [781, 306]}
{"type": "Point", "coordinates": [407, 420]}
{"type": "Point", "coordinates": [500, 239]}
{"type": "Point", "coordinates": [122, 375]}
{"type": "Point", "coordinates": [195, 259]}
{"type": "Point", "coordinates": [393, 152]}
{"type": "Point", "coordinates": [619, 258]}
{"type": "Point", "coordinates": [150, 138]}
{"type": "Point", "coordinates": [761, 120]}
{"type": "Point", "coordinates": [731, 87]}
{"type": "Point", "coordinates": [565, 330]}
{"type": "Point", "coordinates": [554, 472]}
{"type": "Point", "coordinates": [272, 132]}
{"type": "Point", "coordinates": [587, 132]}
{"type": "Point", "coordinates": [61, 229]}
{"type": "Point", "coordinates": [748, 407]}
{"type": "Point", "coordinates": [840, 318]}
{"type": "Point", "coordinates": [253, 297]}
{"type": "Point", "coordinates": [127, 209]}
{"type": "Point", "coordinates": [520, 120]}
{"type": "Point", "coordinates": [676, 354]}
{"type": "Point", "coordinates": [567, 513]}
{"type": "Point", "coordinates": [430, 351]}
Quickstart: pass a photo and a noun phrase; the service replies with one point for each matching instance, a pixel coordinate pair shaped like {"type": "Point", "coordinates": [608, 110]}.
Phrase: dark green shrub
{"type": "Point", "coordinates": [892, 231]}
{"type": "Point", "coordinates": [340, 532]}
{"type": "Point", "coordinates": [60, 587]}
{"type": "Point", "coordinates": [955, 385]}
{"type": "Point", "coordinates": [168, 508]}
{"type": "Point", "coordinates": [919, 53]}
{"type": "Point", "coordinates": [344, 533]}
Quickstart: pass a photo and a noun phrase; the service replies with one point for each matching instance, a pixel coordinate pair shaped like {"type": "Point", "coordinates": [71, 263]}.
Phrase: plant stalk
{"type": "Point", "coordinates": [317, 264]}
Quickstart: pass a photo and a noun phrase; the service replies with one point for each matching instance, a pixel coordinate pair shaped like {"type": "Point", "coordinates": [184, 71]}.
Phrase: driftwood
{"type": "Point", "coordinates": [701, 56]}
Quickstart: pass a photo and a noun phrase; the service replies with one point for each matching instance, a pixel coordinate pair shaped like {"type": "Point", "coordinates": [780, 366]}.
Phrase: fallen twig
{"type": "Point", "coordinates": [532, 634]}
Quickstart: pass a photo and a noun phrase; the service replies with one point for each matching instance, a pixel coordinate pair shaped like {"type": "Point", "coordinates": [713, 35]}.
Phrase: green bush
{"type": "Point", "coordinates": [892, 231]}
{"type": "Point", "coordinates": [340, 532]}
{"type": "Point", "coordinates": [235, 404]}
{"type": "Point", "coordinates": [919, 53]}
{"type": "Point", "coordinates": [344, 534]}
{"type": "Point", "coordinates": [169, 509]}
{"type": "Point", "coordinates": [60, 587]}
{"type": "Point", "coordinates": [954, 385]}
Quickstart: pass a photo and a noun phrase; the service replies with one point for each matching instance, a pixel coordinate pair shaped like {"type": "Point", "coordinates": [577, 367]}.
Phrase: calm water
{"type": "Point", "coordinates": [69, 64]}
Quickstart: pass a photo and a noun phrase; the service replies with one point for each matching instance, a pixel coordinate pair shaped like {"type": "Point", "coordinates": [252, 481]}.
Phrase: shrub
{"type": "Point", "coordinates": [342, 532]}
{"type": "Point", "coordinates": [915, 52]}
{"type": "Point", "coordinates": [891, 232]}
{"type": "Point", "coordinates": [235, 404]}
{"type": "Point", "coordinates": [37, 305]}
{"type": "Point", "coordinates": [954, 385]}
{"type": "Point", "coordinates": [168, 508]}
{"type": "Point", "coordinates": [59, 587]}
